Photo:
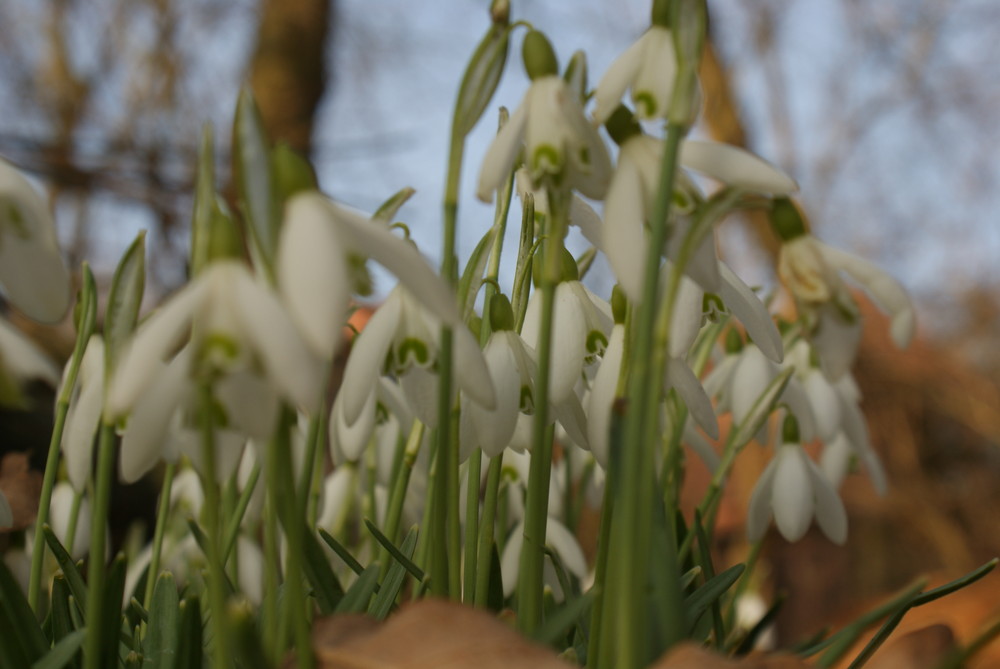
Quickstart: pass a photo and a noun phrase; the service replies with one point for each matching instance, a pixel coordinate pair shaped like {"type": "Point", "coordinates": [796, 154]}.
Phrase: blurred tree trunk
{"type": "Point", "coordinates": [287, 69]}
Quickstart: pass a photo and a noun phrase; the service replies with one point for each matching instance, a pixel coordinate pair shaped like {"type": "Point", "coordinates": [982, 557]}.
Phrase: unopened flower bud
{"type": "Point", "coordinates": [539, 57]}
{"type": "Point", "coordinates": [786, 220]}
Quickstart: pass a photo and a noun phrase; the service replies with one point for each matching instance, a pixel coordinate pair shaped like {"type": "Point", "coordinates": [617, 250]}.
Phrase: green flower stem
{"type": "Point", "coordinates": [88, 316]}
{"type": "Point", "coordinates": [596, 645]}
{"type": "Point", "coordinates": [274, 642]}
{"type": "Point", "coordinates": [486, 530]}
{"type": "Point", "coordinates": [236, 518]}
{"type": "Point", "coordinates": [162, 515]}
{"type": "Point", "coordinates": [399, 485]}
{"type": "Point", "coordinates": [94, 653]}
{"type": "Point", "coordinates": [632, 526]}
{"type": "Point", "coordinates": [310, 462]}
{"type": "Point", "coordinates": [472, 485]}
{"type": "Point", "coordinates": [316, 471]}
{"type": "Point", "coordinates": [222, 643]}
{"type": "Point", "coordinates": [529, 593]}
{"type": "Point", "coordinates": [281, 486]}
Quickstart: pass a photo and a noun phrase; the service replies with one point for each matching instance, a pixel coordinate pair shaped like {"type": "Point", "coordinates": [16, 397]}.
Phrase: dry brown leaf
{"type": "Point", "coordinates": [921, 649]}
{"type": "Point", "coordinates": [22, 487]}
{"type": "Point", "coordinates": [693, 656]}
{"type": "Point", "coordinates": [429, 634]}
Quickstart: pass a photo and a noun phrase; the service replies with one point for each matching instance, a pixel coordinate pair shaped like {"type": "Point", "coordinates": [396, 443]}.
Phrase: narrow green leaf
{"type": "Point", "coordinates": [254, 181]}
{"type": "Point", "coordinates": [63, 652]}
{"type": "Point", "coordinates": [122, 311]}
{"type": "Point", "coordinates": [957, 584]}
{"type": "Point", "coordinates": [341, 551]}
{"type": "Point", "coordinates": [571, 613]}
{"type": "Point", "coordinates": [163, 634]}
{"type": "Point", "coordinates": [701, 599]}
{"type": "Point", "coordinates": [190, 653]}
{"type": "Point", "coordinates": [393, 582]}
{"type": "Point", "coordinates": [472, 275]}
{"type": "Point", "coordinates": [202, 541]}
{"type": "Point", "coordinates": [59, 613]}
{"type": "Point", "coordinates": [705, 555]}
{"type": "Point", "coordinates": [249, 650]}
{"type": "Point", "coordinates": [356, 598]}
{"type": "Point", "coordinates": [404, 560]}
{"type": "Point", "coordinates": [22, 628]}
{"type": "Point", "coordinates": [70, 570]}
{"type": "Point", "coordinates": [326, 588]}
{"type": "Point", "coordinates": [494, 594]}
{"type": "Point", "coordinates": [388, 209]}
{"type": "Point", "coordinates": [114, 590]}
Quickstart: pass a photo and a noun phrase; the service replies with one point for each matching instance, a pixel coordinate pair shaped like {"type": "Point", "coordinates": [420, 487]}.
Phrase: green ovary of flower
{"type": "Point", "coordinates": [527, 405]}
{"type": "Point", "coordinates": [546, 159]}
{"type": "Point", "coordinates": [645, 103]}
{"type": "Point", "coordinates": [412, 351]}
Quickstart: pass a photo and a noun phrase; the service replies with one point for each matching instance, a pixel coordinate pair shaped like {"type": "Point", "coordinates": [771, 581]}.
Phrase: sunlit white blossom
{"type": "Point", "coordinates": [647, 68]}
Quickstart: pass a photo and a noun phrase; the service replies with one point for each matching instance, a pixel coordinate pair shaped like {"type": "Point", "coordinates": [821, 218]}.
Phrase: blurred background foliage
{"type": "Point", "coordinates": [885, 112]}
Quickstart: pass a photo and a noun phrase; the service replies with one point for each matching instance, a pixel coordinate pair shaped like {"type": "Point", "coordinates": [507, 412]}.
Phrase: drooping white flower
{"type": "Point", "coordinates": [647, 68]}
{"type": "Point", "coordinates": [563, 544]}
{"type": "Point", "coordinates": [561, 147]}
{"type": "Point", "coordinates": [402, 338]}
{"type": "Point", "coordinates": [22, 358]}
{"type": "Point", "coordinates": [512, 368]}
{"type": "Point", "coordinates": [84, 414]}
{"type": "Point", "coordinates": [319, 237]}
{"type": "Point", "coordinates": [581, 323]}
{"type": "Point", "coordinates": [811, 271]}
{"type": "Point", "coordinates": [59, 518]}
{"type": "Point", "coordinates": [633, 189]}
{"type": "Point", "coordinates": [32, 270]}
{"type": "Point", "coordinates": [794, 491]}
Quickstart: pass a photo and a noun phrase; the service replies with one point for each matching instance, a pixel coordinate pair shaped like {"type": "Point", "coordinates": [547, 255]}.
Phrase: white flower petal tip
{"type": "Point", "coordinates": [735, 167]}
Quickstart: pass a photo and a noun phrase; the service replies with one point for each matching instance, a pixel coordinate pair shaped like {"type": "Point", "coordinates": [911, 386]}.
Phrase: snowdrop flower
{"type": "Point", "coordinates": [811, 271]}
{"type": "Point", "coordinates": [237, 330]}
{"type": "Point", "coordinates": [317, 241]}
{"type": "Point", "coordinates": [32, 271]}
{"type": "Point", "coordinates": [560, 540]}
{"type": "Point", "coordinates": [512, 368]}
{"type": "Point", "coordinates": [402, 339]}
{"type": "Point", "coordinates": [633, 189]}
{"type": "Point", "coordinates": [59, 517]}
{"type": "Point", "coordinates": [581, 324]}
{"type": "Point", "coordinates": [852, 443]}
{"type": "Point", "coordinates": [562, 149]}
{"type": "Point", "coordinates": [647, 68]}
{"type": "Point", "coordinates": [794, 490]}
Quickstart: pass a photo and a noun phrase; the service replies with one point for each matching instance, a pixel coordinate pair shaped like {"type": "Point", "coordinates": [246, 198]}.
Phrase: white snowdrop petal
{"type": "Point", "coordinates": [500, 155]}
{"type": "Point", "coordinates": [825, 404]}
{"type": "Point", "coordinates": [680, 377]}
{"type": "Point", "coordinates": [368, 352]}
{"type": "Point", "coordinates": [511, 558]}
{"type": "Point", "coordinates": [687, 318]}
{"type": "Point", "coordinates": [250, 402]}
{"type": "Point", "coordinates": [749, 309]}
{"type": "Point", "coordinates": [251, 566]}
{"type": "Point", "coordinates": [421, 389]}
{"type": "Point", "coordinates": [84, 415]}
{"type": "Point", "coordinates": [156, 338]}
{"type": "Point", "coordinates": [888, 293]}
{"type": "Point", "coordinates": [495, 428]}
{"type": "Point", "coordinates": [295, 371]}
{"type": "Point", "coordinates": [795, 398]}
{"type": "Point", "coordinates": [624, 238]}
{"type": "Point", "coordinates": [835, 460]}
{"type": "Point", "coordinates": [616, 81]}
{"type": "Point", "coordinates": [348, 441]}
{"type": "Point", "coordinates": [602, 395]}
{"type": "Point", "coordinates": [654, 79]}
{"type": "Point", "coordinates": [735, 167]}
{"type": "Point", "coordinates": [751, 376]}
{"type": "Point", "coordinates": [831, 516]}
{"type": "Point", "coordinates": [312, 272]}
{"type": "Point", "coordinates": [471, 372]}
{"type": "Point", "coordinates": [565, 545]}
{"type": "Point", "coordinates": [700, 446]}
{"type": "Point", "coordinates": [23, 358]}
{"type": "Point", "coordinates": [569, 413]}
{"type": "Point", "coordinates": [583, 216]}
{"type": "Point", "coordinates": [792, 499]}
{"type": "Point", "coordinates": [569, 338]}
{"type": "Point", "coordinates": [836, 341]}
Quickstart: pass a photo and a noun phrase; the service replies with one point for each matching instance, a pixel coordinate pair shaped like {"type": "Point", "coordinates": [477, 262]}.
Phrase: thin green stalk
{"type": "Point", "coordinates": [274, 641]}
{"type": "Point", "coordinates": [236, 518]}
{"type": "Point", "coordinates": [317, 474]}
{"type": "Point", "coordinates": [400, 483]}
{"type": "Point", "coordinates": [309, 464]}
{"type": "Point", "coordinates": [486, 531]}
{"type": "Point", "coordinates": [530, 582]}
{"type": "Point", "coordinates": [85, 328]}
{"type": "Point", "coordinates": [162, 515]}
{"type": "Point", "coordinates": [473, 475]}
{"type": "Point", "coordinates": [596, 646]}
{"type": "Point", "coordinates": [94, 654]}
{"type": "Point", "coordinates": [281, 482]}
{"type": "Point", "coordinates": [632, 526]}
{"type": "Point", "coordinates": [222, 643]}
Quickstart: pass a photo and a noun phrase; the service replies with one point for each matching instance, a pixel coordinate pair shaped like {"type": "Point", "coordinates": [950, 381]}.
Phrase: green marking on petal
{"type": "Point", "coordinates": [16, 222]}
{"type": "Point", "coordinates": [381, 413]}
{"type": "Point", "coordinates": [527, 405]}
{"type": "Point", "coordinates": [596, 342]}
{"type": "Point", "coordinates": [645, 104]}
{"type": "Point", "coordinates": [219, 349]}
{"type": "Point", "coordinates": [712, 307]}
{"type": "Point", "coordinates": [412, 351]}
{"type": "Point", "coordinates": [545, 159]}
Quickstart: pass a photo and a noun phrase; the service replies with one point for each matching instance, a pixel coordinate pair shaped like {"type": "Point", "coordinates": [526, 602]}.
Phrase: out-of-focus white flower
{"type": "Point", "coordinates": [794, 490]}
{"type": "Point", "coordinates": [32, 270]}
{"type": "Point", "coordinates": [401, 338]}
{"type": "Point", "coordinates": [22, 358]}
{"type": "Point", "coordinates": [647, 67]}
{"type": "Point", "coordinates": [633, 189]}
{"type": "Point", "coordinates": [512, 368]}
{"type": "Point", "coordinates": [59, 517]}
{"type": "Point", "coordinates": [561, 147]}
{"type": "Point", "coordinates": [563, 544]}
{"type": "Point", "coordinates": [318, 239]}
{"type": "Point", "coordinates": [811, 271]}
